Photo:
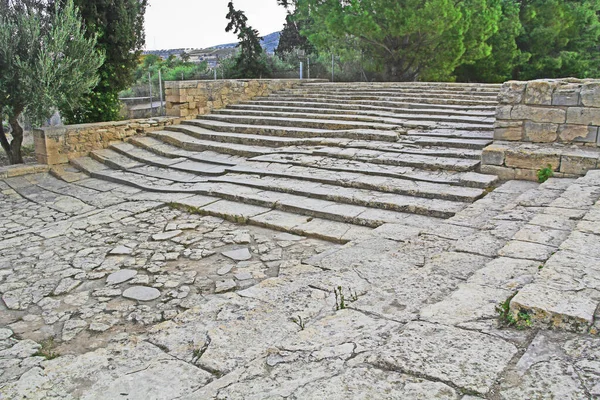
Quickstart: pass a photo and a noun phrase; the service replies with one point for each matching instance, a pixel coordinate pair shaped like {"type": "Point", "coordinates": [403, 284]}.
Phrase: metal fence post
{"type": "Point", "coordinates": [308, 67]}
{"type": "Point", "coordinates": [160, 90]}
{"type": "Point", "coordinates": [332, 67]}
{"type": "Point", "coordinates": [301, 72]}
{"type": "Point", "coordinates": [150, 91]}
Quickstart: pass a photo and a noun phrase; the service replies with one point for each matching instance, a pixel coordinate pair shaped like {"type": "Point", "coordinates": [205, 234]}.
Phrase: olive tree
{"type": "Point", "coordinates": [46, 62]}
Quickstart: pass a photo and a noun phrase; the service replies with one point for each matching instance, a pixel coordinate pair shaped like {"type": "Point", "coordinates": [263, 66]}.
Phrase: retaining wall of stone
{"type": "Point", "coordinates": [186, 99]}
{"type": "Point", "coordinates": [58, 145]}
{"type": "Point", "coordinates": [541, 123]}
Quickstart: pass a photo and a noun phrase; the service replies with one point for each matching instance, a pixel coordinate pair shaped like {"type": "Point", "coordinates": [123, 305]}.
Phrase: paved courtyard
{"type": "Point", "coordinates": [326, 242]}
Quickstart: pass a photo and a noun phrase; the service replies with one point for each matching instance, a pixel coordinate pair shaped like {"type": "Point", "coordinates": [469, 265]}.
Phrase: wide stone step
{"type": "Point", "coordinates": [167, 150]}
{"type": "Point", "coordinates": [381, 105]}
{"type": "Point", "coordinates": [366, 134]}
{"type": "Point", "coordinates": [248, 139]}
{"type": "Point", "coordinates": [352, 110]}
{"type": "Point", "coordinates": [313, 207]}
{"type": "Point", "coordinates": [445, 133]}
{"type": "Point", "coordinates": [399, 85]}
{"type": "Point", "coordinates": [299, 122]}
{"type": "Point", "coordinates": [396, 119]}
{"type": "Point", "coordinates": [408, 146]}
{"type": "Point", "coordinates": [468, 179]}
{"type": "Point", "coordinates": [391, 91]}
{"type": "Point", "coordinates": [406, 160]}
{"type": "Point", "coordinates": [425, 94]}
{"type": "Point", "coordinates": [358, 180]}
{"type": "Point", "coordinates": [384, 99]}
{"type": "Point", "coordinates": [477, 144]}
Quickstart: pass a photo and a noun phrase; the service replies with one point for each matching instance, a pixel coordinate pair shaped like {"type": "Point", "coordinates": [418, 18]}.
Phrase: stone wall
{"type": "Point", "coordinates": [187, 99]}
{"type": "Point", "coordinates": [549, 111]}
{"type": "Point", "coordinates": [58, 145]}
{"type": "Point", "coordinates": [545, 123]}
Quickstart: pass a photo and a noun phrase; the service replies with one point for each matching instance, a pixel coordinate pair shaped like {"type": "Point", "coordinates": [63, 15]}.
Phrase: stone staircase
{"type": "Point", "coordinates": [327, 160]}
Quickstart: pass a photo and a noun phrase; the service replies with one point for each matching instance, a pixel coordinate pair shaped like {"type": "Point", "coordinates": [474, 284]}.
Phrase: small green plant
{"type": "Point", "coordinates": [540, 267]}
{"type": "Point", "coordinates": [340, 298]}
{"type": "Point", "coordinates": [521, 320]}
{"type": "Point", "coordinates": [543, 174]}
{"type": "Point", "coordinates": [299, 321]}
{"type": "Point", "coordinates": [47, 350]}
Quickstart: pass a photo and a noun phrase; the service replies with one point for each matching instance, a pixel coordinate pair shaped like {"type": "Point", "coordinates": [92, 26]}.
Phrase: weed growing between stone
{"type": "Point", "coordinates": [521, 321]}
{"type": "Point", "coordinates": [47, 349]}
{"type": "Point", "coordinates": [340, 298]}
{"type": "Point", "coordinates": [299, 321]}
{"type": "Point", "coordinates": [543, 174]}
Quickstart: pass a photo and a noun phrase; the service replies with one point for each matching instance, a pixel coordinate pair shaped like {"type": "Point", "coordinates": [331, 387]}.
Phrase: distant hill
{"type": "Point", "coordinates": [268, 42]}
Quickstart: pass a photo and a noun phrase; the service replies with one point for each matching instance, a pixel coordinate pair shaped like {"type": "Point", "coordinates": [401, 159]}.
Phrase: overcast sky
{"type": "Point", "coordinates": [174, 24]}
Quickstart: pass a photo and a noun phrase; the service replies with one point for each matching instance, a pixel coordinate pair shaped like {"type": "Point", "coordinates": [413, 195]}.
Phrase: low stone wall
{"type": "Point", "coordinates": [58, 145]}
{"type": "Point", "coordinates": [186, 99]}
{"type": "Point", "coordinates": [549, 111]}
{"type": "Point", "coordinates": [545, 123]}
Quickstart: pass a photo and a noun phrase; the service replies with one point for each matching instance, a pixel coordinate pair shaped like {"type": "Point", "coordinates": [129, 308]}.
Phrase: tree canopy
{"type": "Point", "coordinates": [46, 61]}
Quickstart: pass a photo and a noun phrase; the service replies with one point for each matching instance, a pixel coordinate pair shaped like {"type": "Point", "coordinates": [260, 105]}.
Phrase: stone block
{"type": "Point", "coordinates": [567, 95]}
{"type": "Point", "coordinates": [578, 163]}
{"type": "Point", "coordinates": [577, 133]}
{"type": "Point", "coordinates": [583, 116]}
{"type": "Point", "coordinates": [590, 94]}
{"type": "Point", "coordinates": [539, 114]}
{"type": "Point", "coordinates": [512, 92]}
{"type": "Point", "coordinates": [539, 92]}
{"type": "Point", "coordinates": [503, 112]}
{"type": "Point", "coordinates": [503, 173]}
{"type": "Point", "coordinates": [493, 155]}
{"type": "Point", "coordinates": [528, 159]}
{"type": "Point", "coordinates": [540, 132]}
{"type": "Point", "coordinates": [524, 174]}
{"type": "Point", "coordinates": [508, 130]}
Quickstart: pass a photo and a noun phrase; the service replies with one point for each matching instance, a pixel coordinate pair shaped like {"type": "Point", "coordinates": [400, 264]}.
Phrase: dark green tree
{"type": "Point", "coordinates": [119, 27]}
{"type": "Point", "coordinates": [251, 59]}
{"type": "Point", "coordinates": [291, 39]}
{"type": "Point", "coordinates": [46, 62]}
{"type": "Point", "coordinates": [407, 39]}
{"type": "Point", "coordinates": [560, 37]}
{"type": "Point", "coordinates": [505, 55]}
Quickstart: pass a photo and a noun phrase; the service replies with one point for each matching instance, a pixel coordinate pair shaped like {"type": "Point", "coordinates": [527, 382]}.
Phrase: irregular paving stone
{"type": "Point", "coordinates": [527, 250]}
{"type": "Point", "coordinates": [65, 286]}
{"type": "Point", "coordinates": [121, 251]}
{"type": "Point", "coordinates": [5, 333]}
{"type": "Point", "coordinates": [71, 328]}
{"type": "Point", "coordinates": [469, 360]}
{"type": "Point", "coordinates": [242, 276]}
{"type": "Point", "coordinates": [166, 235]}
{"type": "Point", "coordinates": [506, 273]}
{"type": "Point", "coordinates": [225, 285]}
{"type": "Point", "coordinates": [238, 254]}
{"type": "Point", "coordinates": [141, 293]}
{"type": "Point", "coordinates": [120, 276]}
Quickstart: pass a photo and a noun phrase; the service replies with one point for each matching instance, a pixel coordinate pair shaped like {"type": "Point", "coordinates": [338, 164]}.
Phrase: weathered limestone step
{"type": "Point", "coordinates": [299, 122]}
{"type": "Point", "coordinates": [368, 198]}
{"type": "Point", "coordinates": [383, 99]}
{"type": "Point", "coordinates": [397, 119]}
{"type": "Point", "coordinates": [425, 96]}
{"type": "Point", "coordinates": [452, 134]}
{"type": "Point", "coordinates": [302, 225]}
{"type": "Point", "coordinates": [312, 207]}
{"type": "Point", "coordinates": [246, 138]}
{"type": "Point", "coordinates": [358, 180]}
{"type": "Point", "coordinates": [287, 131]}
{"type": "Point", "coordinates": [399, 159]}
{"type": "Point", "coordinates": [179, 164]}
{"type": "Point", "coordinates": [398, 85]}
{"type": "Point", "coordinates": [478, 144]}
{"type": "Point", "coordinates": [411, 90]}
{"type": "Point", "coordinates": [467, 179]}
{"type": "Point", "coordinates": [408, 146]}
{"type": "Point", "coordinates": [114, 160]}
{"type": "Point", "coordinates": [354, 110]}
{"type": "Point", "coordinates": [166, 150]}
{"type": "Point", "coordinates": [321, 103]}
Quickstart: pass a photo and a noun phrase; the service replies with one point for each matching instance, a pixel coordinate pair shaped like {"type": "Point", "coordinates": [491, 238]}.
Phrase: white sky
{"type": "Point", "coordinates": [172, 24]}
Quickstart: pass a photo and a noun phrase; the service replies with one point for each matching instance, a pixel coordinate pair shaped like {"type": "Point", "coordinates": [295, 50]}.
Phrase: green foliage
{"type": "Point", "coordinates": [299, 321]}
{"type": "Point", "coordinates": [251, 59]}
{"type": "Point", "coordinates": [341, 302]}
{"type": "Point", "coordinates": [291, 40]}
{"type": "Point", "coordinates": [521, 320]}
{"type": "Point", "coordinates": [47, 349]}
{"type": "Point", "coordinates": [46, 62]}
{"type": "Point", "coordinates": [119, 26]}
{"type": "Point", "coordinates": [406, 40]}
{"type": "Point", "coordinates": [560, 37]}
{"type": "Point", "coordinates": [543, 174]}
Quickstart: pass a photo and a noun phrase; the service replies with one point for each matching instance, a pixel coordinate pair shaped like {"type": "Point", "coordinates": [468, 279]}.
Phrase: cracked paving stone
{"type": "Point", "coordinates": [238, 254]}
{"type": "Point", "coordinates": [120, 276]}
{"type": "Point", "coordinates": [141, 293]}
{"type": "Point", "coordinates": [159, 237]}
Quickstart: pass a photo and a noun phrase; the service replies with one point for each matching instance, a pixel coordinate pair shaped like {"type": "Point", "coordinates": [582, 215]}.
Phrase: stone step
{"type": "Point", "coordinates": [247, 138]}
{"type": "Point", "coordinates": [178, 164]}
{"type": "Point", "coordinates": [408, 146]}
{"type": "Point", "coordinates": [349, 109]}
{"type": "Point", "coordinates": [362, 104]}
{"type": "Point", "coordinates": [397, 85]}
{"type": "Point", "coordinates": [290, 121]}
{"type": "Point", "coordinates": [424, 94]}
{"type": "Point", "coordinates": [358, 180]}
{"type": "Point", "coordinates": [404, 160]}
{"type": "Point", "coordinates": [445, 133]}
{"type": "Point", "coordinates": [385, 91]}
{"type": "Point", "coordinates": [312, 207]}
{"type": "Point", "coordinates": [477, 144]}
{"type": "Point", "coordinates": [166, 150]}
{"type": "Point", "coordinates": [396, 119]}
{"type": "Point", "coordinates": [467, 179]}
{"type": "Point", "coordinates": [289, 131]}
{"type": "Point", "coordinates": [382, 99]}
